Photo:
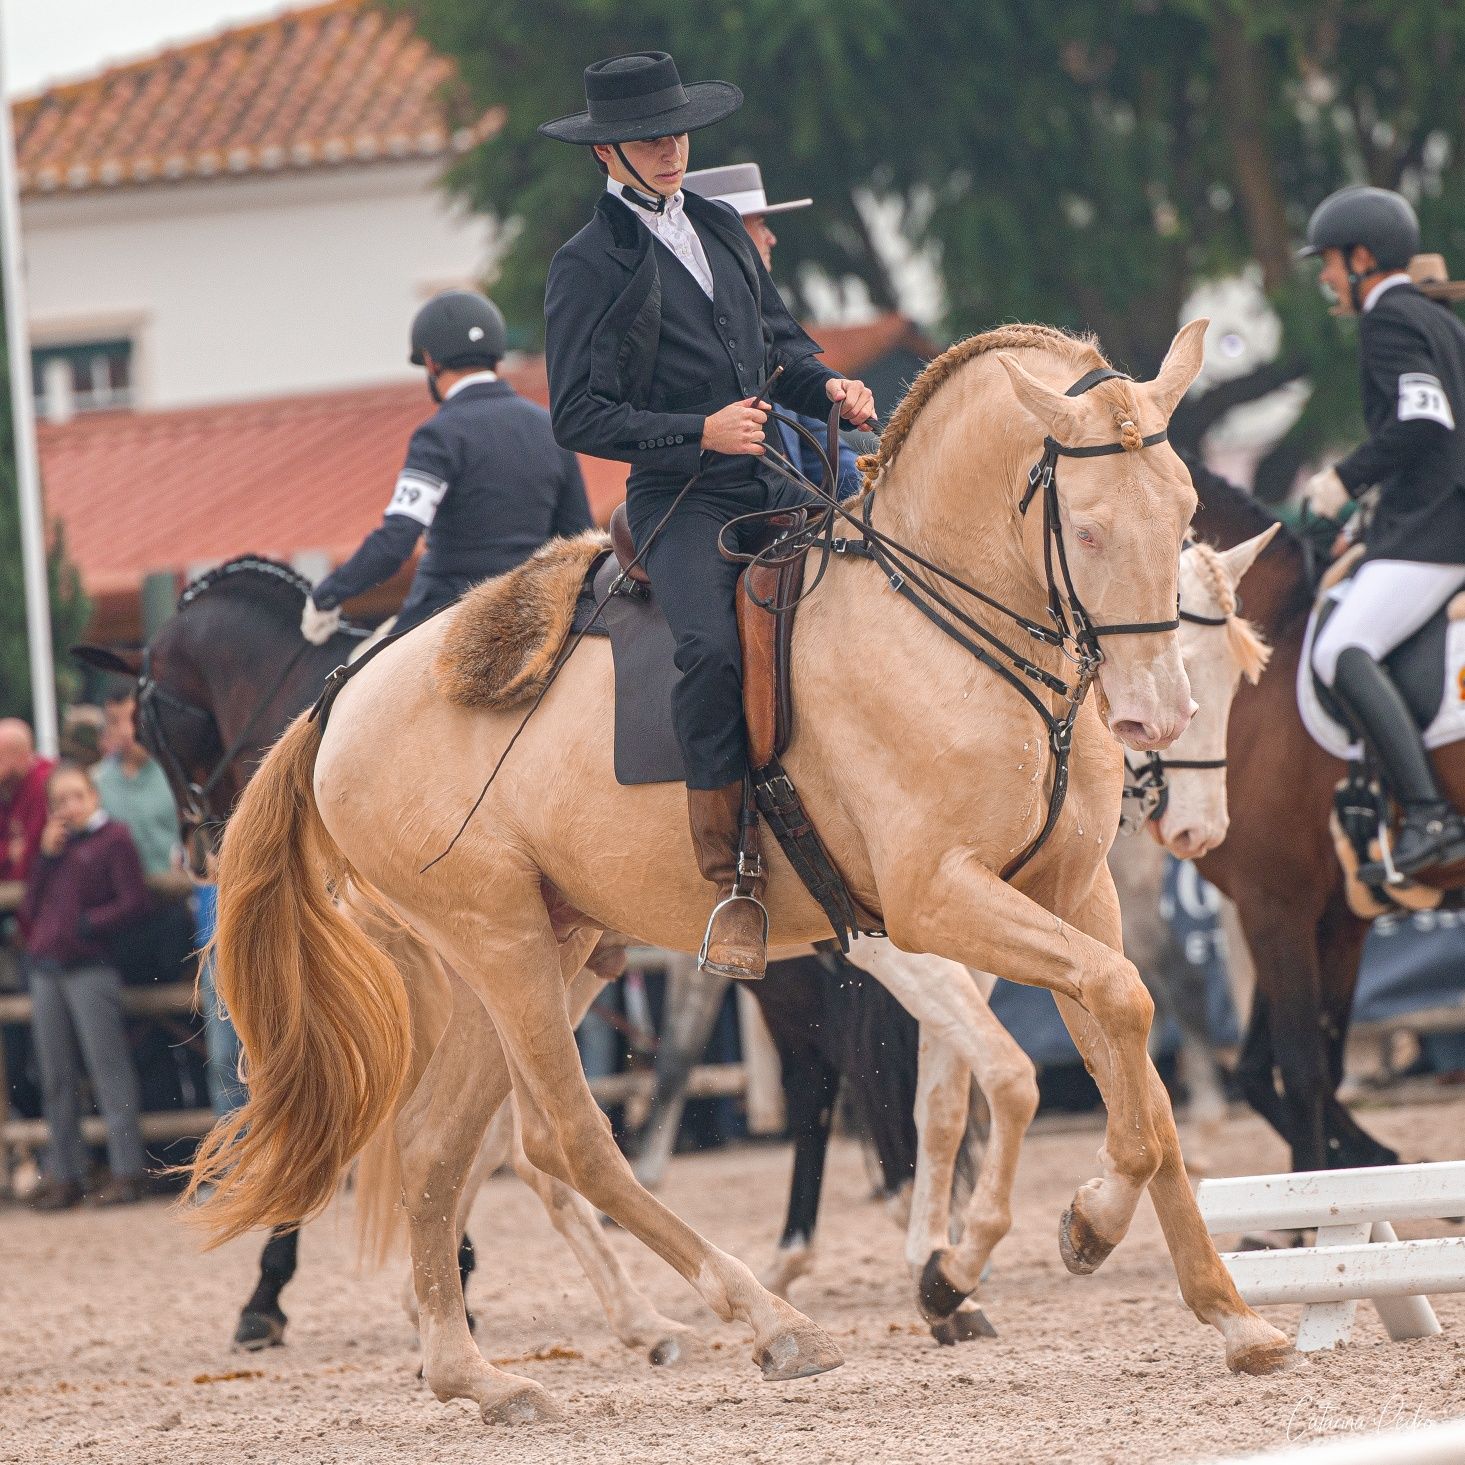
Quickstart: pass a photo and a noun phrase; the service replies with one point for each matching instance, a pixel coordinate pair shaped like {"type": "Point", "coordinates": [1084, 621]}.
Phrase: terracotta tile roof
{"type": "Point", "coordinates": [850, 349]}
{"type": "Point", "coordinates": [158, 491]}
{"type": "Point", "coordinates": [334, 83]}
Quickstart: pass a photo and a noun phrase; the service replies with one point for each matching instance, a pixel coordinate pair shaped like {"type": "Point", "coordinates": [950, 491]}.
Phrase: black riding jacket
{"type": "Point", "coordinates": [487, 481]}
{"type": "Point", "coordinates": [1412, 354]}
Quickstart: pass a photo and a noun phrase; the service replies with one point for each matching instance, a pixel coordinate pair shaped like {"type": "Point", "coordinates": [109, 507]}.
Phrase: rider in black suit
{"type": "Point", "coordinates": [661, 325]}
{"type": "Point", "coordinates": [1412, 354]}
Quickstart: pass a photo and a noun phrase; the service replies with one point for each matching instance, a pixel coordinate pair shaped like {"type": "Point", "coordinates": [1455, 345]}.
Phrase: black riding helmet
{"type": "Point", "coordinates": [1377, 218]}
{"type": "Point", "coordinates": [459, 328]}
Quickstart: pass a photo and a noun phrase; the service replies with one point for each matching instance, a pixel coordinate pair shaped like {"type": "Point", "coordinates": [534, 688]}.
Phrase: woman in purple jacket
{"type": "Point", "coordinates": [85, 886]}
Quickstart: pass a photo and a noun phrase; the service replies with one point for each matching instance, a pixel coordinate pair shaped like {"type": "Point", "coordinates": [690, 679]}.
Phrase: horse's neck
{"type": "Point", "coordinates": [1275, 594]}
{"type": "Point", "coordinates": [954, 501]}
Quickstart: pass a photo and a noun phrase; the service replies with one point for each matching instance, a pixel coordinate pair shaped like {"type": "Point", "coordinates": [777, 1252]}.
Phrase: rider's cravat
{"type": "Point", "coordinates": [674, 229]}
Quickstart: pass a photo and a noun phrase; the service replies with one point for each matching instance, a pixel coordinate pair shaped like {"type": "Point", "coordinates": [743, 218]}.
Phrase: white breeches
{"type": "Point", "coordinates": [1387, 602]}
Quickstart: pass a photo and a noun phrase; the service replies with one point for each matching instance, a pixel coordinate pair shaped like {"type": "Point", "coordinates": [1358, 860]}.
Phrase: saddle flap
{"type": "Point", "coordinates": [625, 545]}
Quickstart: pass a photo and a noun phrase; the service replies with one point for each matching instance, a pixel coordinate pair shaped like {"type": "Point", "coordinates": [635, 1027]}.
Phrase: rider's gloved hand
{"type": "Point", "coordinates": [1325, 495]}
{"type": "Point", "coordinates": [318, 626]}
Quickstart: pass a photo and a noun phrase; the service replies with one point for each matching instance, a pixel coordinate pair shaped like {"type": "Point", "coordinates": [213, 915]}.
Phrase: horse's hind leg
{"type": "Point", "coordinates": [515, 969]}
{"type": "Point", "coordinates": [261, 1321]}
{"type": "Point", "coordinates": [631, 1316]}
{"type": "Point", "coordinates": [439, 1132]}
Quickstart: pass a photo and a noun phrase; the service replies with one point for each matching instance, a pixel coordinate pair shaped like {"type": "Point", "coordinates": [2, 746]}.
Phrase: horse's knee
{"type": "Point", "coordinates": [1012, 1090]}
{"type": "Point", "coordinates": [1120, 1001]}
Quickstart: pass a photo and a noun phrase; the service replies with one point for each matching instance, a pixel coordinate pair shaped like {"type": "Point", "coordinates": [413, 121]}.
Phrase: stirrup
{"type": "Point", "coordinates": [716, 968]}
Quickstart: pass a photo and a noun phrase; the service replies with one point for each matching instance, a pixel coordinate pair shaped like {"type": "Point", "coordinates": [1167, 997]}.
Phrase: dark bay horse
{"type": "Point", "coordinates": [215, 688]}
{"type": "Point", "coordinates": [1278, 861]}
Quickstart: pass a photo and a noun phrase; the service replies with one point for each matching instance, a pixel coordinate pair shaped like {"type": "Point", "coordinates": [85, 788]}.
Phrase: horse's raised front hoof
{"type": "Point", "coordinates": [936, 1295]}
{"type": "Point", "coordinates": [259, 1330]}
{"type": "Point", "coordinates": [799, 1351]}
{"type": "Point", "coordinates": [1082, 1248]}
{"type": "Point", "coordinates": [1265, 1358]}
{"type": "Point", "coordinates": [965, 1325]}
{"type": "Point", "coordinates": [521, 1403]}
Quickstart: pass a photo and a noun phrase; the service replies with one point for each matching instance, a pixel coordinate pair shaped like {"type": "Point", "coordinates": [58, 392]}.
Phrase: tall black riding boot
{"type": "Point", "coordinates": [1431, 832]}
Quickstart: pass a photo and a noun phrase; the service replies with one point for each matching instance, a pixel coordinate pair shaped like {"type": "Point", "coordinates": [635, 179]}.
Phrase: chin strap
{"type": "Point", "coordinates": [652, 201]}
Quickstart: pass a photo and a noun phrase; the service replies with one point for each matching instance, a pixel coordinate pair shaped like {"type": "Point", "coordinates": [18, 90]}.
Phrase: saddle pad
{"type": "Point", "coordinates": [646, 749]}
{"type": "Point", "coordinates": [1429, 669]}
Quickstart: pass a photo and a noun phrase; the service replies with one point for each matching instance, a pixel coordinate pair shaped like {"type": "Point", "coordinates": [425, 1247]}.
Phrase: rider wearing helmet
{"type": "Point", "coordinates": [484, 476]}
{"type": "Point", "coordinates": [1412, 353]}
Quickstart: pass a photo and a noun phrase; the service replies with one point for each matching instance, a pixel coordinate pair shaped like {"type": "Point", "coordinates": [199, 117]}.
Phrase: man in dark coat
{"type": "Point", "coordinates": [484, 476]}
{"type": "Point", "coordinates": [661, 327]}
{"type": "Point", "coordinates": [740, 187]}
{"type": "Point", "coordinates": [1412, 352]}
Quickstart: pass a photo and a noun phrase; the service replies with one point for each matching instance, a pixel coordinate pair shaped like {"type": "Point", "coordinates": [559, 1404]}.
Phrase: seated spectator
{"type": "Point", "coordinates": [85, 887]}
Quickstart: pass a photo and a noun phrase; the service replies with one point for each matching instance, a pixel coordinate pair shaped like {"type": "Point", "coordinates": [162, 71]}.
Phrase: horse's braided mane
{"type": "Point", "coordinates": [1079, 349]}
{"type": "Point", "coordinates": [265, 573]}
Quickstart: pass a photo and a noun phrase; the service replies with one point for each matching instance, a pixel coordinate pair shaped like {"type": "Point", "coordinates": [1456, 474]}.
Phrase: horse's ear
{"type": "Point", "coordinates": [126, 662]}
{"type": "Point", "coordinates": [1181, 365]}
{"type": "Point", "coordinates": [1059, 415]}
{"type": "Point", "coordinates": [1237, 560]}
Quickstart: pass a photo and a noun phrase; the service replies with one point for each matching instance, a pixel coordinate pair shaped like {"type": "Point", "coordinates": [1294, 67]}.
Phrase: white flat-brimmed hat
{"type": "Point", "coordinates": [741, 185]}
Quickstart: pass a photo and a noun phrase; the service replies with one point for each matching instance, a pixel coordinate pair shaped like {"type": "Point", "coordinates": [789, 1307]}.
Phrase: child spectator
{"type": "Point", "coordinates": [86, 886]}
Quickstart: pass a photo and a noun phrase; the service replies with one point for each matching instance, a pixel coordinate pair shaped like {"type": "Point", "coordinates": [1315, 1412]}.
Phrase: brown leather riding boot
{"type": "Point", "coordinates": [737, 934]}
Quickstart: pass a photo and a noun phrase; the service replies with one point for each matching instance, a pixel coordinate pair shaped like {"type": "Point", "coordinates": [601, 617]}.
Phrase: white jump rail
{"type": "Point", "coordinates": [1357, 1254]}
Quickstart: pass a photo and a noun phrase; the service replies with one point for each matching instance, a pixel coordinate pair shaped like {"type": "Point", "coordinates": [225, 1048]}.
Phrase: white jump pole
{"type": "Point", "coordinates": [27, 464]}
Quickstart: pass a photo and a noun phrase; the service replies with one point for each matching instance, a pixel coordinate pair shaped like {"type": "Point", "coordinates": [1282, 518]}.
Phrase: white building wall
{"type": "Point", "coordinates": [233, 288]}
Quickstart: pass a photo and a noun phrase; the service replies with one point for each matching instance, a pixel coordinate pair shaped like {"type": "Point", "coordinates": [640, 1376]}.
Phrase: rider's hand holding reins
{"type": "Point", "coordinates": [1325, 495]}
{"type": "Point", "coordinates": [737, 428]}
{"type": "Point", "coordinates": [318, 626]}
{"type": "Point", "coordinates": [859, 401]}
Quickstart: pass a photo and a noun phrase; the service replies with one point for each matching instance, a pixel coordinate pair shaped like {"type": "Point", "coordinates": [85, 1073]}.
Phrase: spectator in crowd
{"type": "Point", "coordinates": [85, 887]}
{"type": "Point", "coordinates": [82, 730]}
{"type": "Point", "coordinates": [134, 791]}
{"type": "Point", "coordinates": [23, 776]}
{"type": "Point", "coordinates": [226, 1092]}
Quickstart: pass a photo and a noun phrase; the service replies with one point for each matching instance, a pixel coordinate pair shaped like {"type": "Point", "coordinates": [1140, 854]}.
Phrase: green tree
{"type": "Point", "coordinates": [1086, 164]}
{"type": "Point", "coordinates": [69, 607]}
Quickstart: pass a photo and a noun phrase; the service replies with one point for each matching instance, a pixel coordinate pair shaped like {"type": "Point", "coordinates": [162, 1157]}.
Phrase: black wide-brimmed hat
{"type": "Point", "coordinates": [640, 96]}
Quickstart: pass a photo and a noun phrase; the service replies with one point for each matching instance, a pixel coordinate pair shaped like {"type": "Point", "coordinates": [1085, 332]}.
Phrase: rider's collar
{"type": "Point", "coordinates": [473, 379]}
{"type": "Point", "coordinates": [1399, 277]}
{"type": "Point", "coordinates": [652, 204]}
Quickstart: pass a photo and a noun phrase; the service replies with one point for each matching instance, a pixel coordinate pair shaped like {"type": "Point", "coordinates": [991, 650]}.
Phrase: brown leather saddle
{"type": "Point", "coordinates": [766, 634]}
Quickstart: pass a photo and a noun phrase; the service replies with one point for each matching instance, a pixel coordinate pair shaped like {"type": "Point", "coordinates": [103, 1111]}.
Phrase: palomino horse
{"type": "Point", "coordinates": [927, 781]}
{"type": "Point", "coordinates": [1305, 941]}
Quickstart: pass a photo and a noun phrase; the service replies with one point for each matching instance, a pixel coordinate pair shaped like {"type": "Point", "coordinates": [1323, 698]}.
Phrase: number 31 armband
{"type": "Point", "coordinates": [1421, 395]}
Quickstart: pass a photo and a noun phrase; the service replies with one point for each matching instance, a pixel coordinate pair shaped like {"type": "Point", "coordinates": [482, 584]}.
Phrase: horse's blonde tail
{"type": "Point", "coordinates": [321, 1010]}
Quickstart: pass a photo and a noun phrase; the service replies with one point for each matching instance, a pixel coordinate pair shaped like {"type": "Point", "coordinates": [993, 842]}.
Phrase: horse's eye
{"type": "Point", "coordinates": [1086, 536]}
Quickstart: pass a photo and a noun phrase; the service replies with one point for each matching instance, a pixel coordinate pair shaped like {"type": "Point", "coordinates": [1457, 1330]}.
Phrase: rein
{"type": "Point", "coordinates": [150, 693]}
{"type": "Point", "coordinates": [1073, 631]}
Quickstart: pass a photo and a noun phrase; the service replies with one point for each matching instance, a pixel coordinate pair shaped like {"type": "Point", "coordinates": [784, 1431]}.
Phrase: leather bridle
{"type": "Point", "coordinates": [1073, 630]}
{"type": "Point", "coordinates": [196, 795]}
{"type": "Point", "coordinates": [1148, 786]}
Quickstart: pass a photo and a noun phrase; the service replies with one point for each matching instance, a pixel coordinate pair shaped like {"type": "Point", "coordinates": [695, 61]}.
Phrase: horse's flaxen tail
{"type": "Point", "coordinates": [320, 1009]}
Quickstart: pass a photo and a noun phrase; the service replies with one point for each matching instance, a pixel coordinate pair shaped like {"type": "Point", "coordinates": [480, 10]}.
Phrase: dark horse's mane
{"type": "Point", "coordinates": [1228, 514]}
{"type": "Point", "coordinates": [247, 572]}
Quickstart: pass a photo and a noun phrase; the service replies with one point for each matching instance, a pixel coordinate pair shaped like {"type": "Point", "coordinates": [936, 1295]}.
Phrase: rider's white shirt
{"type": "Point", "coordinates": [675, 230]}
{"type": "Point", "coordinates": [473, 379]}
{"type": "Point", "coordinates": [1399, 277]}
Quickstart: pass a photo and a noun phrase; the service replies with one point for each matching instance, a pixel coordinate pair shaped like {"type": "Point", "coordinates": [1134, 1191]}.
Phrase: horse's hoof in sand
{"type": "Point", "coordinates": [965, 1325]}
{"type": "Point", "coordinates": [936, 1295]}
{"type": "Point", "coordinates": [259, 1330]}
{"type": "Point", "coordinates": [1082, 1248]}
{"type": "Point", "coordinates": [670, 1349]}
{"type": "Point", "coordinates": [798, 1352]}
{"type": "Point", "coordinates": [1265, 1358]}
{"type": "Point", "coordinates": [524, 1403]}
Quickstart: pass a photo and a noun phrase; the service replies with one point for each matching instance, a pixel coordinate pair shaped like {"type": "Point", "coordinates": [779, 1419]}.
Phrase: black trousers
{"type": "Point", "coordinates": [696, 589]}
